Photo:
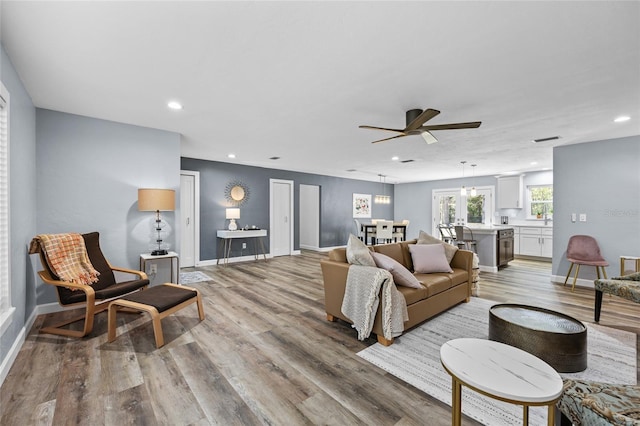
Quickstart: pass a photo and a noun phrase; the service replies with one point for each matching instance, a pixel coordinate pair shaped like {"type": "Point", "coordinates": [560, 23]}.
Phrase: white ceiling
{"type": "Point", "coordinates": [295, 79]}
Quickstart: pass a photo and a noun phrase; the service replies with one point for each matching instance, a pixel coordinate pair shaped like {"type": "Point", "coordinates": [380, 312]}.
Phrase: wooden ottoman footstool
{"type": "Point", "coordinates": [159, 301]}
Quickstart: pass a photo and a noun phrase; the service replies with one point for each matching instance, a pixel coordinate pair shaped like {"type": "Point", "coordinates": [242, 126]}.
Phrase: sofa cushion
{"type": "Point", "coordinates": [413, 295]}
{"type": "Point", "coordinates": [401, 275]}
{"type": "Point", "coordinates": [449, 250]}
{"type": "Point", "coordinates": [436, 282]}
{"type": "Point", "coordinates": [358, 253]}
{"type": "Point", "coordinates": [429, 258]}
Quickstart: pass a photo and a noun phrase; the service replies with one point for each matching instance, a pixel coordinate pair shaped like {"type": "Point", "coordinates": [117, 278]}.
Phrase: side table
{"type": "Point", "coordinates": [623, 260]}
{"type": "Point", "coordinates": [172, 255]}
{"type": "Point", "coordinates": [502, 372]}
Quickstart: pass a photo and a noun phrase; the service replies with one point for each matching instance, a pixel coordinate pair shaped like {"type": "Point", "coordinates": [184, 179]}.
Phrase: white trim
{"type": "Point", "coordinates": [291, 218]}
{"type": "Point", "coordinates": [11, 356]}
{"type": "Point", "coordinates": [6, 308]}
{"type": "Point", "coordinates": [558, 279]}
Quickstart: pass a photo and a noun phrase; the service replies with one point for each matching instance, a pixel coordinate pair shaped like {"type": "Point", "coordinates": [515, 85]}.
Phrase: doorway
{"type": "Point", "coordinates": [309, 223]}
{"type": "Point", "coordinates": [450, 207]}
{"type": "Point", "coordinates": [190, 218]}
{"type": "Point", "coordinates": [281, 217]}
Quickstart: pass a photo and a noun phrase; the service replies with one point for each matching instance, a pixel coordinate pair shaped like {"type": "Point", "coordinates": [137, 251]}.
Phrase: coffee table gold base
{"type": "Point", "coordinates": [456, 404]}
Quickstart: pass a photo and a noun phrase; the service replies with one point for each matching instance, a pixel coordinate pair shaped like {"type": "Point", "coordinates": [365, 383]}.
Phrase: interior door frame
{"type": "Point", "coordinates": [196, 213]}
{"type": "Point", "coordinates": [272, 182]}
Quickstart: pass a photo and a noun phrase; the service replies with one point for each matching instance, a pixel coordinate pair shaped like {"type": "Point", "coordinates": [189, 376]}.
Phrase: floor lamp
{"type": "Point", "coordinates": [157, 200]}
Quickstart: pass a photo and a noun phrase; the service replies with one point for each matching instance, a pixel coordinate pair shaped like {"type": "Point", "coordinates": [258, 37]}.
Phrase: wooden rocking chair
{"type": "Point", "coordinates": [95, 297]}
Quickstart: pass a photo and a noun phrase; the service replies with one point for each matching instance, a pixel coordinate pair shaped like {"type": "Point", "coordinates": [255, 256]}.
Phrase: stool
{"type": "Point", "coordinates": [159, 301]}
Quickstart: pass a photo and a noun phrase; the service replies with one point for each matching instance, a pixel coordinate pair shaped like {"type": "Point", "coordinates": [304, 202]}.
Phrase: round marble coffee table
{"type": "Point", "coordinates": [502, 372]}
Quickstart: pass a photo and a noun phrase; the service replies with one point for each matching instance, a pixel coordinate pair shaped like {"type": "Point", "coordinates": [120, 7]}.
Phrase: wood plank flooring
{"type": "Point", "coordinates": [264, 355]}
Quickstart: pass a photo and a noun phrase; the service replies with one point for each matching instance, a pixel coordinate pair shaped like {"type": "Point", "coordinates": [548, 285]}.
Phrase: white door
{"type": "Point", "coordinates": [189, 232]}
{"type": "Point", "coordinates": [281, 217]}
{"type": "Point", "coordinates": [309, 223]}
{"type": "Point", "coordinates": [450, 207]}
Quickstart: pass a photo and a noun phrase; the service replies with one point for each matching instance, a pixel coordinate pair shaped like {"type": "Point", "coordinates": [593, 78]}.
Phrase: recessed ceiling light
{"type": "Point", "coordinates": [395, 158]}
{"type": "Point", "coordinates": [533, 163]}
{"type": "Point", "coordinates": [174, 105]}
{"type": "Point", "coordinates": [231, 156]}
{"type": "Point", "coordinates": [622, 118]}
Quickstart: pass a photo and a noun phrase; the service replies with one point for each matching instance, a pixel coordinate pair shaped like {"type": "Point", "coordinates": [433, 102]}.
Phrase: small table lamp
{"type": "Point", "coordinates": [233, 214]}
{"type": "Point", "coordinates": [156, 200]}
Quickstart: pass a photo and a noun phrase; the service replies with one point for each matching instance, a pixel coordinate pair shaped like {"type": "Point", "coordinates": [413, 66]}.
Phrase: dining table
{"type": "Point", "coordinates": [368, 229]}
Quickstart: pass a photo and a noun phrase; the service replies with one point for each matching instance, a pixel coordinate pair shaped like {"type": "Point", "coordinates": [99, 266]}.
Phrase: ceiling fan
{"type": "Point", "coordinates": [415, 120]}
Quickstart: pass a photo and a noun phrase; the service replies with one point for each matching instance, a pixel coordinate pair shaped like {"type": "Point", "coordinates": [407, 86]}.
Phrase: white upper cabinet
{"type": "Point", "coordinates": [510, 192]}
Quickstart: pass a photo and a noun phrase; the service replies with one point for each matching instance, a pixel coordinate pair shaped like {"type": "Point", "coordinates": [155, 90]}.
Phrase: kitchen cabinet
{"type": "Point", "coordinates": [510, 192]}
{"type": "Point", "coordinates": [516, 240]}
{"type": "Point", "coordinates": [536, 242]}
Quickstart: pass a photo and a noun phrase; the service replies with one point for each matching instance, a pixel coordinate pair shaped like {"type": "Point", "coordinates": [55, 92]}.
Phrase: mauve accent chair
{"type": "Point", "coordinates": [584, 250]}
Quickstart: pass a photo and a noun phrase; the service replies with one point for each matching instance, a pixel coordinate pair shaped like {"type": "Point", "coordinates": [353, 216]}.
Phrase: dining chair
{"type": "Point", "coordinates": [384, 231]}
{"type": "Point", "coordinates": [400, 236]}
{"type": "Point", "coordinates": [447, 233]}
{"type": "Point", "coordinates": [359, 232]}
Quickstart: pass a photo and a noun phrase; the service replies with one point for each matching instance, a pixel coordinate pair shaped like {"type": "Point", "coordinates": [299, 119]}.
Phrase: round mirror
{"type": "Point", "coordinates": [237, 193]}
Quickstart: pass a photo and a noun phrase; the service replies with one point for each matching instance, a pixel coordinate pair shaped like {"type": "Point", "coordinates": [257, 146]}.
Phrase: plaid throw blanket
{"type": "Point", "coordinates": [67, 257]}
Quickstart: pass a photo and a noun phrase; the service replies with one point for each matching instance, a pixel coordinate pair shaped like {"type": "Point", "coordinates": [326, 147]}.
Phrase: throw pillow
{"type": "Point", "coordinates": [449, 250]}
{"type": "Point", "coordinates": [358, 253]}
{"type": "Point", "coordinates": [428, 258]}
{"type": "Point", "coordinates": [401, 275]}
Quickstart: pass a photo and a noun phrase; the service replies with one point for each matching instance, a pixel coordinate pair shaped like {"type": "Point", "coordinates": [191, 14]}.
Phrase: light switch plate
{"type": "Point", "coordinates": [583, 217]}
{"type": "Point", "coordinates": [574, 217]}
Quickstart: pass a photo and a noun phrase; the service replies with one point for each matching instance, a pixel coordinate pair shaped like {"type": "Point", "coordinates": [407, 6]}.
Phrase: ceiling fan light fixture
{"type": "Point", "coordinates": [428, 137]}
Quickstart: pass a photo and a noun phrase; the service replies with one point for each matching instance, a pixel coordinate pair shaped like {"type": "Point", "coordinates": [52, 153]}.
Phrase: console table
{"type": "Point", "coordinates": [227, 237]}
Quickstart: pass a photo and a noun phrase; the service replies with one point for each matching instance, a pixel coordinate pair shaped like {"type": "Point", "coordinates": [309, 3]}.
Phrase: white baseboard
{"type": "Point", "coordinates": [485, 268]}
{"type": "Point", "coordinates": [8, 360]}
{"type": "Point", "coordinates": [579, 283]}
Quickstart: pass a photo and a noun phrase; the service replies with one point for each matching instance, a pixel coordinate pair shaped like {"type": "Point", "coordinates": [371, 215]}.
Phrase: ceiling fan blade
{"type": "Point", "coordinates": [382, 128]}
{"type": "Point", "coordinates": [392, 137]}
{"type": "Point", "coordinates": [471, 125]}
{"type": "Point", "coordinates": [428, 138]}
{"type": "Point", "coordinates": [426, 115]}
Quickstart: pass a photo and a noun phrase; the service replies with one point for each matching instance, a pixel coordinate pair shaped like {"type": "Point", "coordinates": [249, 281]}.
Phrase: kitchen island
{"type": "Point", "coordinates": [486, 237]}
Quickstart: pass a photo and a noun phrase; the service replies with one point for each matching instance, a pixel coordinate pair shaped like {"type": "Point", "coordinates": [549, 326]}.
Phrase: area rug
{"type": "Point", "coordinates": [415, 359]}
{"type": "Point", "coordinates": [193, 277]}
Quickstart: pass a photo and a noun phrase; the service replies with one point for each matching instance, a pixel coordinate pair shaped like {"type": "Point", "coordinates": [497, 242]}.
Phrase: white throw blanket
{"type": "Point", "coordinates": [361, 301]}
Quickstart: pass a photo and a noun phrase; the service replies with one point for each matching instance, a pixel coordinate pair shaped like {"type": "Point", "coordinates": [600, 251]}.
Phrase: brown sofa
{"type": "Point", "coordinates": [441, 290]}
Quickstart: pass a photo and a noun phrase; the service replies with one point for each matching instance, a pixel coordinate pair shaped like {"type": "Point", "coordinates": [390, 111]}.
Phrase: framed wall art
{"type": "Point", "coordinates": [362, 205]}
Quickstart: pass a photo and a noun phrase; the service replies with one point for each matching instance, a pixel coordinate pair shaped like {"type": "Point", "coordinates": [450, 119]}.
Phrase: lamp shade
{"type": "Point", "coordinates": [233, 213]}
{"type": "Point", "coordinates": [156, 199]}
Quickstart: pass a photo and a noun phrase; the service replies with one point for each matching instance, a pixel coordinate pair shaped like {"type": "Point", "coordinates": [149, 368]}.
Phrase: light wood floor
{"type": "Point", "coordinates": [265, 354]}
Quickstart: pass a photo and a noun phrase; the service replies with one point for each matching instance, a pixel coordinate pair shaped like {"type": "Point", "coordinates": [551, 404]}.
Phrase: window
{"type": "Point", "coordinates": [540, 201]}
{"type": "Point", "coordinates": [6, 311]}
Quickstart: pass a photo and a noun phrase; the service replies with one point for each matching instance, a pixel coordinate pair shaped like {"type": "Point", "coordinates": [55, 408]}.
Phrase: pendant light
{"type": "Point", "coordinates": [473, 181]}
{"type": "Point", "coordinates": [463, 189]}
{"type": "Point", "coordinates": [384, 198]}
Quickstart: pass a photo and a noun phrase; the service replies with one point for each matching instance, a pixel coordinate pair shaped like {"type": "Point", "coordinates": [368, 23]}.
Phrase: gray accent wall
{"type": "Point", "coordinates": [336, 219]}
{"type": "Point", "coordinates": [601, 179]}
{"type": "Point", "coordinates": [88, 175]}
{"type": "Point", "coordinates": [22, 175]}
